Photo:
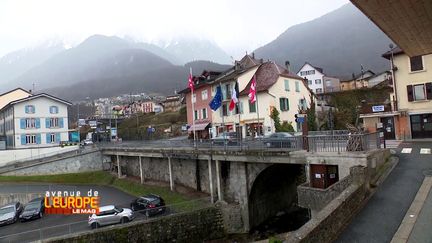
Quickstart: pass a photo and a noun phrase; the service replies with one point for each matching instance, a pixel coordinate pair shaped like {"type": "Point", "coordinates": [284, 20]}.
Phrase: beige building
{"type": "Point", "coordinates": [409, 112]}
{"type": "Point", "coordinates": [277, 88]}
{"type": "Point", "coordinates": [12, 95]}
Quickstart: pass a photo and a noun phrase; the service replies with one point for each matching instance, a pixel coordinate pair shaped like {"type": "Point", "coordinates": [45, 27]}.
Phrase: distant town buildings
{"type": "Point", "coordinates": [33, 120]}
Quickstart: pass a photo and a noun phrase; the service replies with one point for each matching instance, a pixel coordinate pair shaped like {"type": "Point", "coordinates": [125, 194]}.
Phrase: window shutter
{"type": "Point", "coordinates": [287, 104]}
{"type": "Point", "coordinates": [281, 104]}
{"type": "Point", "coordinates": [26, 109]}
{"type": "Point", "coordinates": [57, 137]}
{"type": "Point", "coordinates": [22, 123]}
{"type": "Point", "coordinates": [410, 93]}
{"type": "Point", "coordinates": [61, 122]}
{"type": "Point", "coordinates": [38, 138]}
{"type": "Point", "coordinates": [47, 123]}
{"type": "Point", "coordinates": [37, 122]}
{"type": "Point", "coordinates": [23, 139]}
{"type": "Point", "coordinates": [429, 91]}
{"type": "Point", "coordinates": [48, 138]}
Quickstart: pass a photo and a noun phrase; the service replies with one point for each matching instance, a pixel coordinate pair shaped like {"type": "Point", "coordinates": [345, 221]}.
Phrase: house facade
{"type": "Point", "coordinates": [172, 103]}
{"type": "Point", "coordinates": [277, 88]}
{"type": "Point", "coordinates": [35, 121]}
{"type": "Point", "coordinates": [317, 81]}
{"type": "Point", "coordinates": [409, 112]}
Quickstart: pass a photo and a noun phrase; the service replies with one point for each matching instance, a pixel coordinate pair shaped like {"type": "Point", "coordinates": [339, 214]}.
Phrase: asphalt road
{"type": "Point", "coordinates": [379, 220]}
{"type": "Point", "coordinates": [57, 225]}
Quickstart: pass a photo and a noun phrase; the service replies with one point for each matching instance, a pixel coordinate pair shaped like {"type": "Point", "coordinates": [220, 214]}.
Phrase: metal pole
{"type": "Point", "coordinates": [193, 111]}
{"type": "Point", "coordinates": [78, 127]}
{"type": "Point", "coordinates": [218, 181]}
{"type": "Point", "coordinates": [257, 105]}
{"type": "Point", "coordinates": [118, 167]}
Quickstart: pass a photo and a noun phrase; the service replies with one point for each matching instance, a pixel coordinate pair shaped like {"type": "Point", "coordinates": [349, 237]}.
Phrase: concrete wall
{"type": "Point", "coordinates": [316, 198]}
{"type": "Point", "coordinates": [197, 226]}
{"type": "Point", "coordinates": [88, 161]}
{"type": "Point", "coordinates": [7, 156]}
{"type": "Point", "coordinates": [6, 198]}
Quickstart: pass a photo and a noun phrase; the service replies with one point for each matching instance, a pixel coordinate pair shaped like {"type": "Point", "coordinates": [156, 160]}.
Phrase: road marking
{"type": "Point", "coordinates": [425, 151]}
{"type": "Point", "coordinates": [406, 150]}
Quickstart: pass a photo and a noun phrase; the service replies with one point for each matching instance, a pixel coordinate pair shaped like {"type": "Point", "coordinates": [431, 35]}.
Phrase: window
{"type": "Point", "coordinates": [284, 104]}
{"type": "Point", "coordinates": [194, 98]}
{"type": "Point", "coordinates": [195, 115]}
{"type": "Point", "coordinates": [204, 113]}
{"type": "Point", "coordinates": [53, 109]}
{"type": "Point", "coordinates": [204, 95]}
{"type": "Point", "coordinates": [319, 90]}
{"type": "Point", "coordinates": [31, 139]}
{"type": "Point", "coordinates": [52, 138]}
{"type": "Point", "coordinates": [252, 107]}
{"type": "Point", "coordinates": [227, 92]}
{"type": "Point", "coordinates": [309, 72]}
{"type": "Point", "coordinates": [297, 86]}
{"type": "Point", "coordinates": [239, 108]}
{"type": "Point", "coordinates": [224, 110]}
{"type": "Point", "coordinates": [328, 83]}
{"type": "Point", "coordinates": [419, 92]}
{"type": "Point", "coordinates": [416, 63]}
{"type": "Point", "coordinates": [30, 123]}
{"type": "Point", "coordinates": [309, 82]}
{"type": "Point", "coordinates": [29, 109]}
{"type": "Point", "coordinates": [302, 104]}
{"type": "Point", "coordinates": [53, 122]}
{"type": "Point", "coordinates": [286, 83]}
{"type": "Point", "coordinates": [317, 81]}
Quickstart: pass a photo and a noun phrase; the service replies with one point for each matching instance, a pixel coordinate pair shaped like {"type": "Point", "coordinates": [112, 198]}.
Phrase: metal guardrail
{"type": "Point", "coordinates": [344, 142]}
{"type": "Point", "coordinates": [82, 226]}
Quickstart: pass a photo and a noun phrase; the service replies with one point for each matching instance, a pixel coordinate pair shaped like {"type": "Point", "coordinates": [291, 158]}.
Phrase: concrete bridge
{"type": "Point", "coordinates": [256, 184]}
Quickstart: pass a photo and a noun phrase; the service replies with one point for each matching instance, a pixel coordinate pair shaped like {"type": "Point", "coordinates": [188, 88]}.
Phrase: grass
{"type": "Point", "coordinates": [178, 201]}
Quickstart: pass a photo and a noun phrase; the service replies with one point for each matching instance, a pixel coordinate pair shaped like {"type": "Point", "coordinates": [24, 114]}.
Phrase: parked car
{"type": "Point", "coordinates": [110, 215]}
{"type": "Point", "coordinates": [34, 209]}
{"type": "Point", "coordinates": [149, 204]}
{"type": "Point", "coordinates": [280, 140]}
{"type": "Point", "coordinates": [9, 213]}
{"type": "Point", "coordinates": [86, 142]}
{"type": "Point", "coordinates": [228, 138]}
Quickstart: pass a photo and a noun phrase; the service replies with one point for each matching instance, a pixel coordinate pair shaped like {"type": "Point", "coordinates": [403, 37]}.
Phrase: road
{"type": "Point", "coordinates": [379, 220]}
{"type": "Point", "coordinates": [57, 225]}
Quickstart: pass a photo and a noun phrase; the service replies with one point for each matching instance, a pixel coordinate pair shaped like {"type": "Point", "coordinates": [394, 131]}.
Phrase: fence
{"type": "Point", "coordinates": [344, 142]}
{"type": "Point", "coordinates": [82, 225]}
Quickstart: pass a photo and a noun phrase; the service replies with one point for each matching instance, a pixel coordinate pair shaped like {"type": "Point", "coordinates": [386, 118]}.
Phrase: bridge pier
{"type": "Point", "coordinates": [141, 169]}
{"type": "Point", "coordinates": [218, 181]}
{"type": "Point", "coordinates": [170, 174]}
{"type": "Point", "coordinates": [211, 180]}
{"type": "Point", "coordinates": [118, 167]}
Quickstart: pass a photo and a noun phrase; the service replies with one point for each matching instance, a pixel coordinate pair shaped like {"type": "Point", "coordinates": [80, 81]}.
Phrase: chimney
{"type": "Point", "coordinates": [253, 55]}
{"type": "Point", "coordinates": [287, 65]}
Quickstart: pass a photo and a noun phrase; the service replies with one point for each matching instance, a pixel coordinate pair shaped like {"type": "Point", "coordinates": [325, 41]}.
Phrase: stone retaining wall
{"type": "Point", "coordinates": [197, 226]}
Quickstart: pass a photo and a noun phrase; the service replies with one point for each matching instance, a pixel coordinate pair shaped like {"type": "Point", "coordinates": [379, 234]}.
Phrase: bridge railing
{"type": "Point", "coordinates": [344, 142]}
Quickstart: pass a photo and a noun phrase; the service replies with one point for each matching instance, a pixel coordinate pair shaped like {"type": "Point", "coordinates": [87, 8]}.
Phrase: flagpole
{"type": "Point", "coordinates": [223, 119]}
{"type": "Point", "coordinates": [257, 106]}
{"type": "Point", "coordinates": [193, 109]}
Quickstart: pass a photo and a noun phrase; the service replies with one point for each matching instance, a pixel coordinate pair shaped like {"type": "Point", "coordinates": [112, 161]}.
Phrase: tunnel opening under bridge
{"type": "Point", "coordinates": [273, 200]}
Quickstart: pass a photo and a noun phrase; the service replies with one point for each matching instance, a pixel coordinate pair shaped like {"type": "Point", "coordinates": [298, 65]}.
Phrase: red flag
{"type": "Point", "coordinates": [252, 91]}
{"type": "Point", "coordinates": [190, 82]}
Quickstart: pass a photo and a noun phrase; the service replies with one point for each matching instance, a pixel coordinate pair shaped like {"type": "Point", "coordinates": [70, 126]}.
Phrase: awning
{"type": "Point", "coordinates": [198, 127]}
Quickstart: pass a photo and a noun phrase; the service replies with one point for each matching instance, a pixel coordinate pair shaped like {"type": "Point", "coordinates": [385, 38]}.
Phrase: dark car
{"type": "Point", "coordinates": [33, 210]}
{"type": "Point", "coordinates": [149, 204]}
{"type": "Point", "coordinates": [9, 213]}
{"type": "Point", "coordinates": [280, 140]}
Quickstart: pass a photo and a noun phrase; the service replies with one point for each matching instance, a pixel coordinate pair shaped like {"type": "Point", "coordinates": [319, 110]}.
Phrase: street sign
{"type": "Point", "coordinates": [300, 119]}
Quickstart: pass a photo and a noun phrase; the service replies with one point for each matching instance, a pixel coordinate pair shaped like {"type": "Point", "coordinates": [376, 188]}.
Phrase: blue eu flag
{"type": "Point", "coordinates": [217, 99]}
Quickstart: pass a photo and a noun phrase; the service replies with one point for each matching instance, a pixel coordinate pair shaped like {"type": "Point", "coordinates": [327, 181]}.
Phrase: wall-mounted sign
{"type": "Point", "coordinates": [377, 108]}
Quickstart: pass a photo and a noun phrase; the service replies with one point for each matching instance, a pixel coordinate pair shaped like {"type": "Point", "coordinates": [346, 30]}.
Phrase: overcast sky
{"type": "Point", "coordinates": [236, 25]}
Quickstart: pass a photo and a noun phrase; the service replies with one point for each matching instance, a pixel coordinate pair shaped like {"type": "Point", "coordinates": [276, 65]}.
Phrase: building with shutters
{"type": "Point", "coordinates": [39, 120]}
{"type": "Point", "coordinates": [317, 81]}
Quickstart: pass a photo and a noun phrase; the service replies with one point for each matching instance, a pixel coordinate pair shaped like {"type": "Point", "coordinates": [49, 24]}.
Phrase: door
{"type": "Point", "coordinates": [421, 126]}
{"type": "Point", "coordinates": [388, 126]}
{"type": "Point", "coordinates": [317, 176]}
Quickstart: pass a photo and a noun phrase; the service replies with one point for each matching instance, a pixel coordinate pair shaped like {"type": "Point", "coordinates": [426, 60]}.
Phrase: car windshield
{"type": "Point", "coordinates": [7, 210]}
{"type": "Point", "coordinates": [118, 209]}
{"type": "Point", "coordinates": [32, 206]}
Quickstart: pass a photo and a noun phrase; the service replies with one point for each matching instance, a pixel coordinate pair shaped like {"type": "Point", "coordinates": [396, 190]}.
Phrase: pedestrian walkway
{"type": "Point", "coordinates": [419, 151]}
{"type": "Point", "coordinates": [416, 211]}
{"type": "Point", "coordinates": [422, 229]}
{"type": "Point", "coordinates": [392, 144]}
{"type": "Point", "coordinates": [379, 220]}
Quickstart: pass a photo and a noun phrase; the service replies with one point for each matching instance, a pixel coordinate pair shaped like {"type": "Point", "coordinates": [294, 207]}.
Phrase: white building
{"type": "Point", "coordinates": [318, 82]}
{"type": "Point", "coordinates": [276, 87]}
{"type": "Point", "coordinates": [34, 121]}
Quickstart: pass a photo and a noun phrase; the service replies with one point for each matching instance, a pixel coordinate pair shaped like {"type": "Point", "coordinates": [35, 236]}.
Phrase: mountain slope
{"type": "Point", "coordinates": [339, 42]}
{"type": "Point", "coordinates": [199, 66]}
{"type": "Point", "coordinates": [18, 62]}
